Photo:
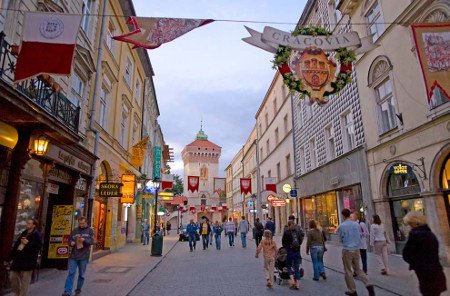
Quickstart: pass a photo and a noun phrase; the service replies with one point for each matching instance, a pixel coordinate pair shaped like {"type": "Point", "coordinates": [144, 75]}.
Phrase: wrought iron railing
{"type": "Point", "coordinates": [39, 92]}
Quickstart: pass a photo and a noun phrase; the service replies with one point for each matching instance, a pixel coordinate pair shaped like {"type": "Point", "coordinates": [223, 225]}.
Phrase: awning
{"type": "Point", "coordinates": [178, 200]}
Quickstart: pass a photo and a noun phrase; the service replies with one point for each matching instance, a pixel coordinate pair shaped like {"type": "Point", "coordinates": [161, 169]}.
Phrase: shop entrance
{"type": "Point", "coordinates": [99, 223]}
{"type": "Point", "coordinates": [403, 190]}
{"type": "Point", "coordinates": [445, 183]}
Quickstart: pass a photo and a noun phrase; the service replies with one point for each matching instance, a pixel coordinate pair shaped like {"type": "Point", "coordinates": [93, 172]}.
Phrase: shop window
{"type": "Point", "coordinates": [401, 185]}
{"type": "Point", "coordinates": [323, 209]}
{"type": "Point", "coordinates": [29, 200]}
{"type": "Point", "coordinates": [348, 127]}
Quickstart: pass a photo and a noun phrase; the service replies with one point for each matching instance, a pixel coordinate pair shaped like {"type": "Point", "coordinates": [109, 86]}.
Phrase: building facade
{"type": "Point", "coordinates": [201, 158]}
{"type": "Point", "coordinates": [403, 129]}
{"type": "Point", "coordinates": [331, 166]}
{"type": "Point", "coordinates": [250, 171]}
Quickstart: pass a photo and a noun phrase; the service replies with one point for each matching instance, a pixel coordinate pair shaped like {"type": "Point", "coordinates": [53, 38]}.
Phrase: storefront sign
{"type": "Point", "coordinates": [63, 157]}
{"type": "Point", "coordinates": [157, 163]}
{"type": "Point", "coordinates": [109, 190]}
{"type": "Point", "coordinates": [271, 197]}
{"type": "Point", "coordinates": [400, 169]}
{"type": "Point", "coordinates": [59, 175]}
{"type": "Point", "coordinates": [278, 203]}
{"type": "Point", "coordinates": [60, 232]}
{"type": "Point", "coordinates": [128, 188]}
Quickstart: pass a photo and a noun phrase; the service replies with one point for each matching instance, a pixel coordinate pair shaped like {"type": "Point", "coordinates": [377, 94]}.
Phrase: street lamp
{"type": "Point", "coordinates": [254, 211]}
{"type": "Point", "coordinates": [153, 187]}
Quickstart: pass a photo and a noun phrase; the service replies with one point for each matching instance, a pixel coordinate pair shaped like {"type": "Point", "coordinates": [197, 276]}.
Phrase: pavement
{"type": "Point", "coordinates": [229, 271]}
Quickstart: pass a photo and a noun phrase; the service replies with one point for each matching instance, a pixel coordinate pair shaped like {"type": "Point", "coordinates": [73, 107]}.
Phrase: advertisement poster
{"type": "Point", "coordinates": [60, 232]}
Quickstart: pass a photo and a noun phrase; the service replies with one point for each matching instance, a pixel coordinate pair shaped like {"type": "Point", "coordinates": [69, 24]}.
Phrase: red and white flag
{"type": "Point", "coordinates": [271, 184]}
{"type": "Point", "coordinates": [246, 185]}
{"type": "Point", "coordinates": [193, 183]}
{"type": "Point", "coordinates": [166, 181]}
{"type": "Point", "coordinates": [150, 32]}
{"type": "Point", "coordinates": [48, 44]}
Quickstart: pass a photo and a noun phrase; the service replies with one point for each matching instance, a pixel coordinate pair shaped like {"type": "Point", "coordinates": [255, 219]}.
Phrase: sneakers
{"type": "Point", "coordinates": [371, 290]}
{"type": "Point", "coordinates": [351, 293]}
{"type": "Point", "coordinates": [323, 275]}
{"type": "Point", "coordinates": [77, 292]}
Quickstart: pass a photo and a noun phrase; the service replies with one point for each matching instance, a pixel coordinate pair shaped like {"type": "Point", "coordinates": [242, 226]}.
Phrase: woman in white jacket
{"type": "Point", "coordinates": [379, 241]}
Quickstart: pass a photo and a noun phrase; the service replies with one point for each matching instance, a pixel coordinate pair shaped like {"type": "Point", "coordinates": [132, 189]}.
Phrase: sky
{"type": "Point", "coordinates": [210, 74]}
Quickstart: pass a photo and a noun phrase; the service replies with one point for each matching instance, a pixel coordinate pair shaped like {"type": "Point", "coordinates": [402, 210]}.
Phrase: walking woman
{"type": "Point", "coordinates": [315, 245]}
{"type": "Point", "coordinates": [422, 253]}
{"type": "Point", "coordinates": [269, 248]}
{"type": "Point", "coordinates": [379, 241]}
{"type": "Point", "coordinates": [217, 230]}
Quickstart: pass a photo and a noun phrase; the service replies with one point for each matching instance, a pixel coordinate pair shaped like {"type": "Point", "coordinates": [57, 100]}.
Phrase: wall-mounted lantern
{"type": "Point", "coordinates": [40, 145]}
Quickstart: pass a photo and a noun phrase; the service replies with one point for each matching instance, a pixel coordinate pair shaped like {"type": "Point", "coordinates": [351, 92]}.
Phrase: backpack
{"type": "Point", "coordinates": [295, 244]}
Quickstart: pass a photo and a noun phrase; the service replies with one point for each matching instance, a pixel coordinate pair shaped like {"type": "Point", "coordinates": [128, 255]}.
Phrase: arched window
{"type": "Point", "coordinates": [380, 81]}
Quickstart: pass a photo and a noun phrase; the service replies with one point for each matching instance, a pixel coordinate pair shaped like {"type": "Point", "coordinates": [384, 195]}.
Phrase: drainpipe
{"type": "Point", "coordinates": [92, 113]}
{"type": "Point", "coordinates": [298, 201]}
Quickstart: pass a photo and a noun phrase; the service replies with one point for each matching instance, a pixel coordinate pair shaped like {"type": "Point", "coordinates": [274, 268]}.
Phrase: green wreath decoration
{"type": "Point", "coordinates": [343, 55]}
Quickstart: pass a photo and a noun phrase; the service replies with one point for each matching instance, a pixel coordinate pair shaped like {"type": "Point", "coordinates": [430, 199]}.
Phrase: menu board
{"type": "Point", "coordinates": [60, 230]}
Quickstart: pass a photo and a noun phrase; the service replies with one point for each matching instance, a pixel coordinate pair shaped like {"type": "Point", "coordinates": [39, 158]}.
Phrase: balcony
{"type": "Point", "coordinates": [38, 91]}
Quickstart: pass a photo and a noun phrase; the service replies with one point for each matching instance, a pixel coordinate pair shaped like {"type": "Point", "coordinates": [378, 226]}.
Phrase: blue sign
{"type": "Point", "coordinates": [250, 203]}
{"type": "Point", "coordinates": [293, 193]}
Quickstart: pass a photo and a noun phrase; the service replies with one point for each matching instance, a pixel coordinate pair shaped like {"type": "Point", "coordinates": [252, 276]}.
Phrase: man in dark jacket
{"type": "Point", "coordinates": [259, 231]}
{"type": "Point", "coordinates": [80, 241]}
{"type": "Point", "coordinates": [270, 225]}
{"type": "Point", "coordinates": [24, 257]}
{"type": "Point", "coordinates": [291, 241]}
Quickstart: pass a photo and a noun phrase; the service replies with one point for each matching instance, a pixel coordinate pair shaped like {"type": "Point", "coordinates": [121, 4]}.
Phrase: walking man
{"type": "Point", "coordinates": [145, 231]}
{"type": "Point", "coordinates": [191, 230]}
{"type": "Point", "coordinates": [80, 241]}
{"type": "Point", "coordinates": [291, 241]}
{"type": "Point", "coordinates": [259, 231]}
{"type": "Point", "coordinates": [270, 225]}
{"type": "Point", "coordinates": [24, 257]}
{"type": "Point", "coordinates": [230, 228]}
{"type": "Point", "coordinates": [349, 234]}
{"type": "Point", "coordinates": [243, 229]}
{"type": "Point", "coordinates": [205, 230]}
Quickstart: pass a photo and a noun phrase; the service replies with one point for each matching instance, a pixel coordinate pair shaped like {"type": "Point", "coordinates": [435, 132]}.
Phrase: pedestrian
{"type": "Point", "coordinates": [315, 244]}
{"type": "Point", "coordinates": [217, 230]}
{"type": "Point", "coordinates": [421, 252]}
{"type": "Point", "coordinates": [81, 239]}
{"type": "Point", "coordinates": [145, 232]}
{"type": "Point", "coordinates": [230, 230]}
{"type": "Point", "coordinates": [270, 225]}
{"type": "Point", "coordinates": [259, 231]}
{"type": "Point", "coordinates": [168, 227]}
{"type": "Point", "coordinates": [269, 248]}
{"type": "Point", "coordinates": [349, 235]}
{"type": "Point", "coordinates": [205, 230]}
{"type": "Point", "coordinates": [291, 241]}
{"type": "Point", "coordinates": [23, 258]}
{"type": "Point", "coordinates": [379, 240]}
{"type": "Point", "coordinates": [302, 236]}
{"type": "Point", "coordinates": [364, 234]}
{"type": "Point", "coordinates": [191, 230]}
{"type": "Point", "coordinates": [243, 229]}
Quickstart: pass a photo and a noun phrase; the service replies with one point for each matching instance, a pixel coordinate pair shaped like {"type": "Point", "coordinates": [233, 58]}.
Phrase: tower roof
{"type": "Point", "coordinates": [201, 140]}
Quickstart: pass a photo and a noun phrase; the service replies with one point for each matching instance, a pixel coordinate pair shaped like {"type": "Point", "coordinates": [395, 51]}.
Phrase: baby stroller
{"type": "Point", "coordinates": [281, 271]}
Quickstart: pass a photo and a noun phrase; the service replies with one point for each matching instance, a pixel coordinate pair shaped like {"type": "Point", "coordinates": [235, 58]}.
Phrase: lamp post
{"type": "Point", "coordinates": [254, 211]}
{"type": "Point", "coordinates": [153, 187]}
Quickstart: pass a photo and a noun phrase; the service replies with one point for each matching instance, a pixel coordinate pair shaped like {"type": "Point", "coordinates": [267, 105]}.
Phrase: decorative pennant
{"type": "Point", "coordinates": [48, 44]}
{"type": "Point", "coordinates": [192, 209]}
{"type": "Point", "coordinates": [138, 152]}
{"type": "Point", "coordinates": [246, 185]}
{"type": "Point", "coordinates": [166, 181]}
{"type": "Point", "coordinates": [150, 33]}
{"type": "Point", "coordinates": [432, 44]}
{"type": "Point", "coordinates": [271, 184]}
{"type": "Point", "coordinates": [193, 183]}
{"type": "Point", "coordinates": [219, 185]}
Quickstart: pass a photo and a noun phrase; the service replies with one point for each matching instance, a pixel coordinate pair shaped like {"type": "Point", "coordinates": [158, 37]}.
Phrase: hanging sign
{"type": "Point", "coordinates": [107, 189]}
{"type": "Point", "coordinates": [128, 188]}
{"type": "Point", "coordinates": [278, 203]}
{"type": "Point", "coordinates": [271, 197]}
{"type": "Point", "coordinates": [193, 182]}
{"type": "Point", "coordinates": [400, 169]}
{"type": "Point", "coordinates": [60, 230]}
{"type": "Point", "coordinates": [157, 163]}
{"type": "Point", "coordinates": [246, 185]}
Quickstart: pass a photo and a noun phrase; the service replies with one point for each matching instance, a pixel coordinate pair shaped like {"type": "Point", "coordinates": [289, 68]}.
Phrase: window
{"type": "Point", "coordinates": [302, 160]}
{"type": "Point", "coordinates": [438, 98]}
{"type": "Point", "coordinates": [286, 125]}
{"type": "Point", "coordinates": [348, 128]}
{"type": "Point", "coordinates": [128, 72]}
{"type": "Point", "coordinates": [124, 127]}
{"type": "Point", "coordinates": [386, 107]}
{"type": "Point", "coordinates": [334, 14]}
{"type": "Point", "coordinates": [268, 147]}
{"type": "Point", "coordinates": [86, 11]}
{"type": "Point", "coordinates": [312, 153]}
{"type": "Point", "coordinates": [260, 129]}
{"type": "Point", "coordinates": [375, 21]}
{"type": "Point", "coordinates": [288, 165]}
{"type": "Point", "coordinates": [134, 135]}
{"type": "Point", "coordinates": [263, 185]}
{"type": "Point", "coordinates": [103, 110]}
{"type": "Point", "coordinates": [109, 37]}
{"type": "Point", "coordinates": [266, 118]}
{"type": "Point", "coordinates": [330, 144]}
{"type": "Point", "coordinates": [277, 140]}
{"type": "Point", "coordinates": [137, 91]}
{"type": "Point", "coordinates": [278, 172]}
{"type": "Point", "coordinates": [275, 107]}
{"type": "Point", "coordinates": [77, 84]}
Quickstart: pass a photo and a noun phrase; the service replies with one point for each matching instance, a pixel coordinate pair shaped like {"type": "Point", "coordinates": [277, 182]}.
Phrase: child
{"type": "Point", "coordinates": [269, 248]}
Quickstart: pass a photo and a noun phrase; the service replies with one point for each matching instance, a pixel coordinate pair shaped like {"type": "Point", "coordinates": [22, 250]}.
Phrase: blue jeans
{"type": "Point", "coordinates": [293, 263]}
{"type": "Point", "coordinates": [218, 241]}
{"type": "Point", "coordinates": [145, 237]}
{"type": "Point", "coordinates": [317, 260]}
{"type": "Point", "coordinates": [73, 265]}
{"type": "Point", "coordinates": [244, 239]}
{"type": "Point", "coordinates": [205, 240]}
{"type": "Point", "coordinates": [192, 241]}
{"type": "Point", "coordinates": [231, 238]}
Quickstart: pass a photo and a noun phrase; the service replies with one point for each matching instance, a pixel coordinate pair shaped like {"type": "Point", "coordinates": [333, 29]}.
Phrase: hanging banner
{"type": "Point", "coordinates": [128, 185]}
{"type": "Point", "coordinates": [150, 32]}
{"type": "Point", "coordinates": [271, 184]}
{"type": "Point", "coordinates": [219, 185]}
{"type": "Point", "coordinates": [138, 152]}
{"type": "Point", "coordinates": [432, 44]}
{"type": "Point", "coordinates": [193, 182]}
{"type": "Point", "coordinates": [246, 185]}
{"type": "Point", "coordinates": [166, 181]}
{"type": "Point", "coordinates": [157, 163]}
{"type": "Point", "coordinates": [60, 230]}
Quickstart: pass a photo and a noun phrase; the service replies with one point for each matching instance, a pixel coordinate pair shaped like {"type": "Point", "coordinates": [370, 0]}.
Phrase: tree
{"type": "Point", "coordinates": [177, 189]}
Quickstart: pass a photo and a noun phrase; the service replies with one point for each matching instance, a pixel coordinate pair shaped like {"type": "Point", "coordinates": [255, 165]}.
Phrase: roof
{"type": "Point", "coordinates": [178, 200]}
{"type": "Point", "coordinates": [203, 143]}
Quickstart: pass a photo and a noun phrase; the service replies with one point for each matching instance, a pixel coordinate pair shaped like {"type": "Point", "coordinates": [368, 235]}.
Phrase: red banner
{"type": "Point", "coordinates": [166, 181]}
{"type": "Point", "coordinates": [246, 185]}
{"type": "Point", "coordinates": [271, 184]}
{"type": "Point", "coordinates": [193, 182]}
